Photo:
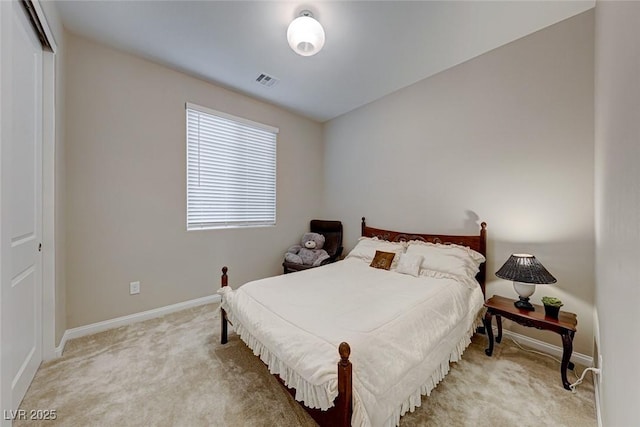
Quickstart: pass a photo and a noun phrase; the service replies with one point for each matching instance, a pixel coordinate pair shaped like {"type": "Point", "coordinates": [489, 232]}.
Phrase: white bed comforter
{"type": "Point", "coordinates": [403, 331]}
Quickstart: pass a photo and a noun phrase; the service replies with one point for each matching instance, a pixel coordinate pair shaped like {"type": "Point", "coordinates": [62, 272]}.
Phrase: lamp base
{"type": "Point", "coordinates": [524, 304]}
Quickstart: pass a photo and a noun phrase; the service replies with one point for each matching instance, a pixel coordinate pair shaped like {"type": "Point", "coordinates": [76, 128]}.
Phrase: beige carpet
{"type": "Point", "coordinates": [172, 371]}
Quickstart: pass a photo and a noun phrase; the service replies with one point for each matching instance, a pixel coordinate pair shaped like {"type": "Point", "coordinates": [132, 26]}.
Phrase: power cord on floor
{"type": "Point", "coordinates": [578, 380]}
{"type": "Point", "coordinates": [528, 350]}
{"type": "Point", "coordinates": [577, 383]}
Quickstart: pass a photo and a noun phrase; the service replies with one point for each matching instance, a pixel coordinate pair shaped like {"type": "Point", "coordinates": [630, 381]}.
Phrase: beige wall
{"type": "Point", "coordinates": [505, 138]}
{"type": "Point", "coordinates": [617, 177]}
{"type": "Point", "coordinates": [126, 195]}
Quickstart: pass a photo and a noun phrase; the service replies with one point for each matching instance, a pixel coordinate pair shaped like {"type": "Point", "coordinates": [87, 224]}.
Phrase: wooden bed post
{"type": "Point", "coordinates": [223, 314]}
{"type": "Point", "coordinates": [343, 401]}
{"type": "Point", "coordinates": [362, 227]}
{"type": "Point", "coordinates": [483, 250]}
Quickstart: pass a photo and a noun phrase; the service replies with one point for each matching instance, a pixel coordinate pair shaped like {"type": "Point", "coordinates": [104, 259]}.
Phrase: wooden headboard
{"type": "Point", "coordinates": [476, 242]}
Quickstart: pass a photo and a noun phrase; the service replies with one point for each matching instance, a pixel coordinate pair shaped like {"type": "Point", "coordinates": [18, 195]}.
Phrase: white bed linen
{"type": "Point", "coordinates": [403, 331]}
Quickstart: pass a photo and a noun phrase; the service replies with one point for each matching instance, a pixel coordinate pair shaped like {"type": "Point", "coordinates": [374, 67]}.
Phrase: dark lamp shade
{"type": "Point", "coordinates": [525, 268]}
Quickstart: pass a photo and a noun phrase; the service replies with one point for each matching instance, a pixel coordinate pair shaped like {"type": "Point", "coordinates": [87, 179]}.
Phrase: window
{"type": "Point", "coordinates": [231, 171]}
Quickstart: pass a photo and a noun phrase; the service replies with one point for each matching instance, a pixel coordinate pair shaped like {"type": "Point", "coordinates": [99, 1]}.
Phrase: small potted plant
{"type": "Point", "coordinates": [551, 306]}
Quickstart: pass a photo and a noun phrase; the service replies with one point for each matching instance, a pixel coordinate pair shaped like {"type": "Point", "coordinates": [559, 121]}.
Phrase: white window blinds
{"type": "Point", "coordinates": [231, 171]}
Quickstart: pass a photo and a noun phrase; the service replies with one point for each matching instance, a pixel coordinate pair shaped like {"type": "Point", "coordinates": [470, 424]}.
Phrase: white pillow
{"type": "Point", "coordinates": [453, 259]}
{"type": "Point", "coordinates": [409, 264]}
{"type": "Point", "coordinates": [367, 247]}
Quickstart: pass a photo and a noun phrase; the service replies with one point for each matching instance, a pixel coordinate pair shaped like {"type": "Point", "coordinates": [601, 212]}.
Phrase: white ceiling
{"type": "Point", "coordinates": [372, 48]}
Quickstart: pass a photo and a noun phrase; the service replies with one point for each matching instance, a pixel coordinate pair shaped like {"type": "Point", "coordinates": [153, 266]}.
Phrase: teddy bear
{"type": "Point", "coordinates": [310, 252]}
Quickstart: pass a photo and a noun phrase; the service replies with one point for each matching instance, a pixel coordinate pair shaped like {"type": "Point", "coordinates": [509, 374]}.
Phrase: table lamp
{"type": "Point", "coordinates": [526, 272]}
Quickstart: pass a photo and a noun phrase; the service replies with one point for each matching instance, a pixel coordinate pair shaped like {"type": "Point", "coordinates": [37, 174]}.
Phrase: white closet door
{"type": "Point", "coordinates": [21, 202]}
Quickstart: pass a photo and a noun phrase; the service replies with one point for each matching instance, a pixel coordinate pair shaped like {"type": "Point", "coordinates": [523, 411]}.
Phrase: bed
{"type": "Point", "coordinates": [358, 345]}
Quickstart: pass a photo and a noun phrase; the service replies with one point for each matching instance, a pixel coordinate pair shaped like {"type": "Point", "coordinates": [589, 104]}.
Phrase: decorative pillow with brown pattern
{"type": "Point", "coordinates": [382, 260]}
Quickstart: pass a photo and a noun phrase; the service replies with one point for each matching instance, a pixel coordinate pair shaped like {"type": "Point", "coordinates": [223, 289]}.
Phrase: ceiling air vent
{"type": "Point", "coordinates": [267, 80]}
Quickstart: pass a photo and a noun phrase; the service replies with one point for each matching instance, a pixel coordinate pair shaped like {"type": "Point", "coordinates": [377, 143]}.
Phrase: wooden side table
{"type": "Point", "coordinates": [564, 325]}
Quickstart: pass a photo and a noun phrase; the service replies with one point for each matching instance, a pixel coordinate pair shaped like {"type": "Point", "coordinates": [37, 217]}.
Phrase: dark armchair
{"type": "Point", "coordinates": [332, 232]}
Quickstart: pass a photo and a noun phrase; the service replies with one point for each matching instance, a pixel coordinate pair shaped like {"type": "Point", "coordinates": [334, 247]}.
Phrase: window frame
{"type": "Point", "coordinates": [247, 126]}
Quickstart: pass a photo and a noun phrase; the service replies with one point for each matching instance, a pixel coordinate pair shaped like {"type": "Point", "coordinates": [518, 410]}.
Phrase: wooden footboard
{"type": "Point", "coordinates": [337, 416]}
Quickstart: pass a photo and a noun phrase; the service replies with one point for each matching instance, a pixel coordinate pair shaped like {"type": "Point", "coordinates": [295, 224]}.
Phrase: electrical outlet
{"type": "Point", "coordinates": [600, 364]}
{"type": "Point", "coordinates": [134, 288]}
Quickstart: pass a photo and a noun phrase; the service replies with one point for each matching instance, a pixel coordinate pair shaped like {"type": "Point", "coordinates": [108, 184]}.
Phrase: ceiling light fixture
{"type": "Point", "coordinates": [305, 35]}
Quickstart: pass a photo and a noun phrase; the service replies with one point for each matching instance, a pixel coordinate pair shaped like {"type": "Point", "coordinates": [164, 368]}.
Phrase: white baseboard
{"type": "Point", "coordinates": [94, 328]}
{"type": "Point", "coordinates": [596, 387]}
{"type": "Point", "coordinates": [554, 350]}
